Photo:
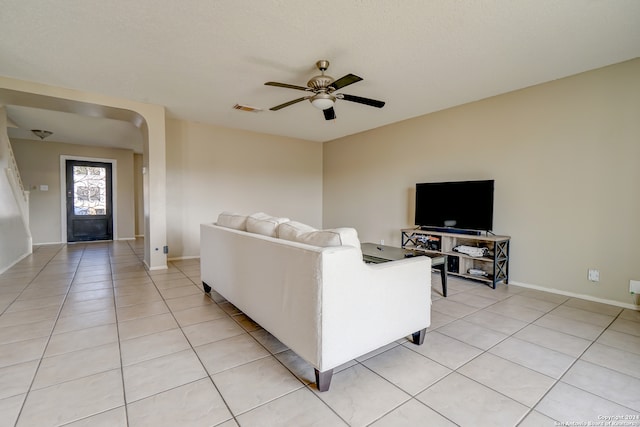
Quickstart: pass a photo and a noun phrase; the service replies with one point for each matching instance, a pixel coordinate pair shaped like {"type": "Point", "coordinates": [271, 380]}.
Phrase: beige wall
{"type": "Point", "coordinates": [564, 156]}
{"type": "Point", "coordinates": [138, 195]}
{"type": "Point", "coordinates": [212, 169]}
{"type": "Point", "coordinates": [39, 164]}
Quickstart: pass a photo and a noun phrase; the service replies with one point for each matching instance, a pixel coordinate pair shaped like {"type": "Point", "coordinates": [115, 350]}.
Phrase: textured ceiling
{"type": "Point", "coordinates": [74, 128]}
{"type": "Point", "coordinates": [200, 57]}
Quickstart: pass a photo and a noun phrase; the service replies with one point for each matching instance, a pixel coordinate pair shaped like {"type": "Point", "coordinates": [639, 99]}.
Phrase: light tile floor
{"type": "Point", "coordinates": [89, 337]}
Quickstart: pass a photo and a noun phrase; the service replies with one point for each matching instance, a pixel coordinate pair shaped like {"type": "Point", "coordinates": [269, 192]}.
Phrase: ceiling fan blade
{"type": "Point", "coordinates": [286, 85]}
{"type": "Point", "coordinates": [286, 104]}
{"type": "Point", "coordinates": [365, 101]}
{"type": "Point", "coordinates": [329, 113]}
{"type": "Point", "coordinates": [345, 81]}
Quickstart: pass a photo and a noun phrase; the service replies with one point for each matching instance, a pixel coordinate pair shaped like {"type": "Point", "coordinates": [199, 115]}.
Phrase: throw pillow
{"type": "Point", "coordinates": [333, 237]}
{"type": "Point", "coordinates": [292, 229]}
{"type": "Point", "coordinates": [261, 223]}
{"type": "Point", "coordinates": [232, 220]}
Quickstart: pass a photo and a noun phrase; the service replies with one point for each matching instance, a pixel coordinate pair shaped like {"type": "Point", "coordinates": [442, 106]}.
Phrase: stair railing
{"type": "Point", "coordinates": [13, 173]}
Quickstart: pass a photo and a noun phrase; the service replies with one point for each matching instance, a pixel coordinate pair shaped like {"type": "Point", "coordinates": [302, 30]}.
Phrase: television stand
{"type": "Point", "coordinates": [492, 267]}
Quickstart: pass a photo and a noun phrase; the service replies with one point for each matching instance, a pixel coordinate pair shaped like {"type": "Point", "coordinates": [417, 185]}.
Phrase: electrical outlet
{"type": "Point", "coordinates": [594, 275]}
{"type": "Point", "coordinates": [382, 241]}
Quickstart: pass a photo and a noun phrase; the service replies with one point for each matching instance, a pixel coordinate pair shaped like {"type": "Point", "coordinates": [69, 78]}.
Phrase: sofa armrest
{"type": "Point", "coordinates": [366, 306]}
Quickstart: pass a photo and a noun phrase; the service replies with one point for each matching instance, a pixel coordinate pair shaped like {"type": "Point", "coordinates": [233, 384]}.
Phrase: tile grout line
{"type": "Point", "coordinates": [192, 348]}
{"type": "Point", "coordinates": [308, 386]}
{"type": "Point", "coordinates": [487, 351]}
{"type": "Point", "coordinates": [559, 379]}
{"type": "Point", "coordinates": [576, 361]}
{"type": "Point", "coordinates": [303, 385]}
{"type": "Point", "coordinates": [483, 351]}
{"type": "Point", "coordinates": [35, 373]}
{"type": "Point", "coordinates": [66, 295]}
{"type": "Point", "coordinates": [556, 381]}
{"type": "Point", "coordinates": [31, 282]}
{"type": "Point", "coordinates": [124, 389]}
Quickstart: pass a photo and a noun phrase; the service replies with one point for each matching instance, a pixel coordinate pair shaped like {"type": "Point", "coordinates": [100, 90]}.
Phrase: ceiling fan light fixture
{"type": "Point", "coordinates": [322, 101]}
{"type": "Point", "coordinates": [42, 134]}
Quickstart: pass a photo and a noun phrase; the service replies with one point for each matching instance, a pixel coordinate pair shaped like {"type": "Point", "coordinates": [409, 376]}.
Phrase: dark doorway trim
{"type": "Point", "coordinates": [63, 192]}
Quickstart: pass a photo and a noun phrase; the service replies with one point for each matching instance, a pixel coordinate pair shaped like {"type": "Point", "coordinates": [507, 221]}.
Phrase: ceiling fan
{"type": "Point", "coordinates": [323, 94]}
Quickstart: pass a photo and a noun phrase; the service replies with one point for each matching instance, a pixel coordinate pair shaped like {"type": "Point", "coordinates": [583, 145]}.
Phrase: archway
{"type": "Point", "coordinates": [147, 117]}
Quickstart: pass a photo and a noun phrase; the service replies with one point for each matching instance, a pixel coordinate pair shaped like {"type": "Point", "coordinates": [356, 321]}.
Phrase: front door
{"type": "Point", "coordinates": [89, 215]}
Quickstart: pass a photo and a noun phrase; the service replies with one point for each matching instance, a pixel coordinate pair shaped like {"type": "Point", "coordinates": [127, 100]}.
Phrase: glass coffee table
{"type": "Point", "coordinates": [376, 254]}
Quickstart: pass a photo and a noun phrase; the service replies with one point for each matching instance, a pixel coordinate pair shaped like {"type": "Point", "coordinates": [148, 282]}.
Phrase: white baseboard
{"type": "Point", "coordinates": [181, 258]}
{"type": "Point", "coordinates": [15, 262]}
{"type": "Point", "coordinates": [575, 295]}
{"type": "Point", "coordinates": [162, 267]}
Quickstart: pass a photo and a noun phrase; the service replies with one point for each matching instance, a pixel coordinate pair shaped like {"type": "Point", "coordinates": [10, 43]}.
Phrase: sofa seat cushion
{"type": "Point", "coordinates": [332, 237]}
{"type": "Point", "coordinates": [232, 220]}
{"type": "Point", "coordinates": [267, 225]}
{"type": "Point", "coordinates": [292, 230]}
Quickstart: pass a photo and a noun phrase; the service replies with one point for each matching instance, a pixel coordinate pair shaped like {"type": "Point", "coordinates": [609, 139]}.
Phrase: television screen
{"type": "Point", "coordinates": [466, 205]}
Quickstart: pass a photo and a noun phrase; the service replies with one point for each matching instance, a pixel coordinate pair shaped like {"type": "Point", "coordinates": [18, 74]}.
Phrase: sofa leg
{"type": "Point", "coordinates": [323, 379]}
{"type": "Point", "coordinates": [418, 337]}
{"type": "Point", "coordinates": [206, 287]}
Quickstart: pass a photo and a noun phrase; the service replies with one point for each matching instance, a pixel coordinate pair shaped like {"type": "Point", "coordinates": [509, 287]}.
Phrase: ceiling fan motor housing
{"type": "Point", "coordinates": [323, 81]}
{"type": "Point", "coordinates": [320, 82]}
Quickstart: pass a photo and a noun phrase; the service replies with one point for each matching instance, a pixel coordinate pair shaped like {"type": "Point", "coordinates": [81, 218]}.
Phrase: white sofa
{"type": "Point", "coordinates": [311, 289]}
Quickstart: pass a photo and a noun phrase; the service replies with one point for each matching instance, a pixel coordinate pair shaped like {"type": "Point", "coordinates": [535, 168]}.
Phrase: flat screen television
{"type": "Point", "coordinates": [457, 205]}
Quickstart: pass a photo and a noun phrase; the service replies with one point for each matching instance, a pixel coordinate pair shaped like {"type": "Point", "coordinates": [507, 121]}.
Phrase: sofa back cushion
{"type": "Point", "coordinates": [232, 220]}
{"type": "Point", "coordinates": [261, 223]}
{"type": "Point", "coordinates": [292, 229]}
{"type": "Point", "coordinates": [283, 228]}
{"type": "Point", "coordinates": [332, 237]}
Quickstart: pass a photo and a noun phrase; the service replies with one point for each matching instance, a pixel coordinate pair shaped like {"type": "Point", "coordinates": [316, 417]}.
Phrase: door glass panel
{"type": "Point", "coordinates": [89, 190]}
